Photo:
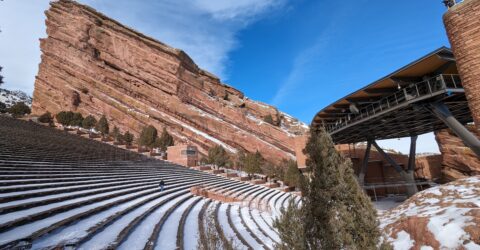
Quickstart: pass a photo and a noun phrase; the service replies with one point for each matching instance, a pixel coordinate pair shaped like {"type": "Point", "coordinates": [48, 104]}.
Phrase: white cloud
{"type": "Point", "coordinates": [231, 10]}
{"type": "Point", "coordinates": [205, 29]}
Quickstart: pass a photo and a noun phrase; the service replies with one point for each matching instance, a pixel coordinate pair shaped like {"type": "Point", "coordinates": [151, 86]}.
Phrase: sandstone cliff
{"type": "Point", "coordinates": [459, 160]}
{"type": "Point", "coordinates": [95, 65]}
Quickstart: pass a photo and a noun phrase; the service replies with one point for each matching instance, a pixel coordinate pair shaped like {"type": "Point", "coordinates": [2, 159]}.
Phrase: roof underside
{"type": "Point", "coordinates": [391, 118]}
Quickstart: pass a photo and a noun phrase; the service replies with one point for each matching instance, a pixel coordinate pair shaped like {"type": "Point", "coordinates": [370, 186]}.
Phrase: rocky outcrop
{"type": "Point", "coordinates": [95, 65]}
{"type": "Point", "coordinates": [459, 161]}
{"type": "Point", "coordinates": [442, 217]}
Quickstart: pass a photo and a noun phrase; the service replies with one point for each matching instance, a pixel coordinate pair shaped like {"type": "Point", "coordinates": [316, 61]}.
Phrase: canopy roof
{"type": "Point", "coordinates": [382, 96]}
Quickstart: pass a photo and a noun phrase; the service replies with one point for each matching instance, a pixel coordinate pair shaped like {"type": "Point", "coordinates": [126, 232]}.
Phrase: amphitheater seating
{"type": "Point", "coordinates": [59, 190]}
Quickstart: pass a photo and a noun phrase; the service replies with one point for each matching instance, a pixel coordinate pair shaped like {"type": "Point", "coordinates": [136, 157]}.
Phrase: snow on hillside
{"type": "Point", "coordinates": [10, 97]}
{"type": "Point", "coordinates": [442, 217]}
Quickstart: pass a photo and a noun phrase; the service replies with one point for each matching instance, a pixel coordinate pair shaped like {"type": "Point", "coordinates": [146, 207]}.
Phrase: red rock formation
{"type": "Point", "coordinates": [95, 65]}
{"type": "Point", "coordinates": [462, 23]}
{"type": "Point", "coordinates": [442, 217]}
{"type": "Point", "coordinates": [459, 160]}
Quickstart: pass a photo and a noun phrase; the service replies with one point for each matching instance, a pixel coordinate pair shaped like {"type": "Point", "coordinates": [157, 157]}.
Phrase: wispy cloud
{"type": "Point", "coordinates": [205, 29]}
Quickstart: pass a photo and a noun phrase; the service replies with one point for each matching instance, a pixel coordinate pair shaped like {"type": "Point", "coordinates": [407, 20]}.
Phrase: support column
{"type": "Point", "coordinates": [364, 167]}
{"type": "Point", "coordinates": [408, 177]}
{"type": "Point", "coordinates": [413, 149]}
{"type": "Point", "coordinates": [443, 113]}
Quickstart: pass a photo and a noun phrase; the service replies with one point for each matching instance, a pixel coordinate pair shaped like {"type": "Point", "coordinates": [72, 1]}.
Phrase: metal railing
{"type": "Point", "coordinates": [414, 91]}
{"type": "Point", "coordinates": [451, 3]}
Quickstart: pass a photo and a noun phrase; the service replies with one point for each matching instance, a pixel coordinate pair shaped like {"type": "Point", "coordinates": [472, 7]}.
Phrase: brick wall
{"type": "Point", "coordinates": [462, 23]}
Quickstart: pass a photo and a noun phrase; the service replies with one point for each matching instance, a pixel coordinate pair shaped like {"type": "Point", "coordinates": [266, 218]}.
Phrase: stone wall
{"type": "Point", "coordinates": [459, 161]}
{"type": "Point", "coordinates": [94, 65]}
{"type": "Point", "coordinates": [462, 23]}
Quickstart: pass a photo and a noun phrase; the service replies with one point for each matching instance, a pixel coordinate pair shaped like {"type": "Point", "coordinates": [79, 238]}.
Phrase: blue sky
{"type": "Point", "coordinates": [299, 55]}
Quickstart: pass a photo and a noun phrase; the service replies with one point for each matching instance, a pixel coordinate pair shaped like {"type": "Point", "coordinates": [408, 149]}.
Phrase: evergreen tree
{"type": "Point", "coordinates": [290, 227]}
{"type": "Point", "coordinates": [19, 109]}
{"type": "Point", "coordinates": [128, 138]}
{"type": "Point", "coordinates": [116, 135]}
{"type": "Point", "coordinates": [46, 118]}
{"type": "Point", "coordinates": [218, 156]}
{"type": "Point", "coordinates": [239, 160]}
{"type": "Point", "coordinates": [77, 120]}
{"type": "Point", "coordinates": [292, 174]}
{"type": "Point", "coordinates": [337, 213]}
{"type": "Point", "coordinates": [253, 163]}
{"type": "Point", "coordinates": [3, 107]}
{"type": "Point", "coordinates": [148, 137]}
{"type": "Point", "coordinates": [89, 122]}
{"type": "Point", "coordinates": [102, 126]}
{"type": "Point", "coordinates": [1, 77]}
{"type": "Point", "coordinates": [164, 141]}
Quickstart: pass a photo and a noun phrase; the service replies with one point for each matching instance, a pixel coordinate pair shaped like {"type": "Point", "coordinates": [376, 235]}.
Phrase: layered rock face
{"type": "Point", "coordinates": [459, 160]}
{"type": "Point", "coordinates": [95, 65]}
{"type": "Point", "coordinates": [462, 23]}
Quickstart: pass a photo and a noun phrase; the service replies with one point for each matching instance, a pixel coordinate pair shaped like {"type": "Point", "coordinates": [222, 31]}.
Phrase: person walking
{"type": "Point", "coordinates": [162, 185]}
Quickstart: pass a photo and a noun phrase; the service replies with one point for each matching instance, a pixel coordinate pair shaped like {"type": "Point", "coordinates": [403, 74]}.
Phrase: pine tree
{"type": "Point", "coordinates": [1, 77]}
{"type": "Point", "coordinates": [217, 156]}
{"type": "Point", "coordinates": [292, 174]}
{"type": "Point", "coordinates": [3, 107]}
{"type": "Point", "coordinates": [165, 140]}
{"type": "Point", "coordinates": [253, 163]}
{"type": "Point", "coordinates": [116, 135]}
{"type": "Point", "coordinates": [290, 227]}
{"type": "Point", "coordinates": [128, 138]}
{"type": "Point", "coordinates": [89, 122]}
{"type": "Point", "coordinates": [338, 214]}
{"type": "Point", "coordinates": [102, 126]}
{"type": "Point", "coordinates": [148, 137]}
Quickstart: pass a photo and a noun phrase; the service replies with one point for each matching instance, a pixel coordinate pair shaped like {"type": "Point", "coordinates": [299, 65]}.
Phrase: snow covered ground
{"type": "Point", "coordinates": [128, 212]}
{"type": "Point", "coordinates": [442, 217]}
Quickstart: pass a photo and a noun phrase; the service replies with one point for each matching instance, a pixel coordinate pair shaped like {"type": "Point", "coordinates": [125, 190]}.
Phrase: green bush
{"type": "Point", "coordinates": [89, 122]}
{"type": "Point", "coordinates": [46, 118]}
{"type": "Point", "coordinates": [268, 119]}
{"type": "Point", "coordinates": [19, 109]}
{"type": "Point", "coordinates": [77, 120]}
{"type": "Point", "coordinates": [3, 107]}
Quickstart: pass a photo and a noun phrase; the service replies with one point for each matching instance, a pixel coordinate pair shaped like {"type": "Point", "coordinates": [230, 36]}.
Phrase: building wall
{"type": "Point", "coordinates": [177, 154]}
{"type": "Point", "coordinates": [462, 23]}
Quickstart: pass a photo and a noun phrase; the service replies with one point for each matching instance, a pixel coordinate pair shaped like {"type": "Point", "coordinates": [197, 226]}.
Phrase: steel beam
{"type": "Point", "coordinates": [388, 158]}
{"type": "Point", "coordinates": [443, 113]}
{"type": "Point", "coordinates": [407, 176]}
{"type": "Point", "coordinates": [413, 149]}
{"type": "Point", "coordinates": [364, 167]}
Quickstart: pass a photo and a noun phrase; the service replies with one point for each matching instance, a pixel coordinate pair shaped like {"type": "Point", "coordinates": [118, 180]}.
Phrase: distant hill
{"type": "Point", "coordinates": [10, 97]}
